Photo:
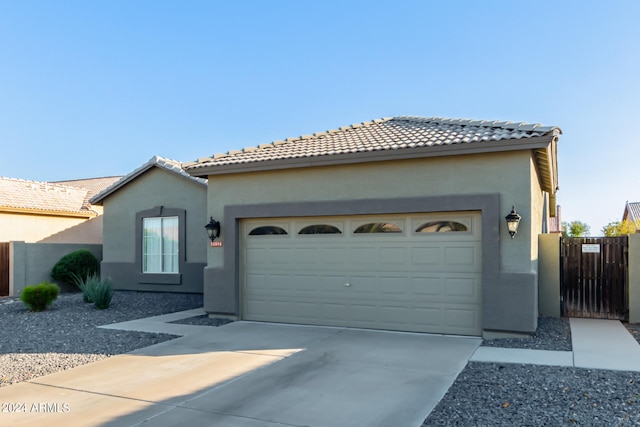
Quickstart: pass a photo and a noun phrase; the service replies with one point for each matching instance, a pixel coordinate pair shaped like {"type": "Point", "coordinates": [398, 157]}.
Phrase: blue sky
{"type": "Point", "coordinates": [97, 88]}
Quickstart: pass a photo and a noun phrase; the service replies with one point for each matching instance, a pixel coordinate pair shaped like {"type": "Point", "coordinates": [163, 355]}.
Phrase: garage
{"type": "Point", "coordinates": [394, 224]}
{"type": "Point", "coordinates": [403, 272]}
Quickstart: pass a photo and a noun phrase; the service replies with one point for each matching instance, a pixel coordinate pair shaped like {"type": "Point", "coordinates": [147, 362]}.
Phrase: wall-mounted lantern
{"type": "Point", "coordinates": [513, 219]}
{"type": "Point", "coordinates": [213, 230]}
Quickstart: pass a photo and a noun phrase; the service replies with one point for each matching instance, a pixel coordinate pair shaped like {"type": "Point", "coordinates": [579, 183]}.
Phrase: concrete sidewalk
{"type": "Point", "coordinates": [596, 343]}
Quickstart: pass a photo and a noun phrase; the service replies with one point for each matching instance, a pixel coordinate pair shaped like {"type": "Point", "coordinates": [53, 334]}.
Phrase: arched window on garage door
{"type": "Point", "coordinates": [268, 230]}
{"type": "Point", "coordinates": [378, 227]}
{"type": "Point", "coordinates": [320, 229]}
{"type": "Point", "coordinates": [441, 226]}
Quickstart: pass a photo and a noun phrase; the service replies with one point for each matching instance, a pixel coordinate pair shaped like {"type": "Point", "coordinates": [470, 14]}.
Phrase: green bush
{"type": "Point", "coordinates": [96, 290]}
{"type": "Point", "coordinates": [39, 297]}
{"type": "Point", "coordinates": [78, 263]}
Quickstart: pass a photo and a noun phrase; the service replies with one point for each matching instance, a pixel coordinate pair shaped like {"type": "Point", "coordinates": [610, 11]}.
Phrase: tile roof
{"type": "Point", "coordinates": [381, 135]}
{"type": "Point", "coordinates": [173, 166]}
{"type": "Point", "coordinates": [23, 195]}
{"type": "Point", "coordinates": [633, 209]}
{"type": "Point", "coordinates": [94, 185]}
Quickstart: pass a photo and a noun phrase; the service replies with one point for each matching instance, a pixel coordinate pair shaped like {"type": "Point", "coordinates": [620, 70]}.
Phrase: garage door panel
{"type": "Point", "coordinates": [362, 286]}
{"type": "Point", "coordinates": [393, 255]}
{"type": "Point", "coordinates": [258, 256]}
{"type": "Point", "coordinates": [363, 256]}
{"type": "Point", "coordinates": [332, 312]}
{"type": "Point", "coordinates": [461, 258]}
{"type": "Point", "coordinates": [279, 282]}
{"type": "Point", "coordinates": [277, 255]}
{"type": "Point", "coordinates": [306, 284]}
{"type": "Point", "coordinates": [394, 285]}
{"type": "Point", "coordinates": [427, 317]}
{"type": "Point", "coordinates": [331, 286]}
{"type": "Point", "coordinates": [463, 289]}
{"type": "Point", "coordinates": [365, 315]}
{"type": "Point", "coordinates": [255, 282]}
{"type": "Point", "coordinates": [427, 286]}
{"type": "Point", "coordinates": [462, 319]}
{"type": "Point", "coordinates": [305, 256]}
{"type": "Point", "coordinates": [332, 255]}
{"type": "Point", "coordinates": [426, 256]}
{"type": "Point", "coordinates": [408, 281]}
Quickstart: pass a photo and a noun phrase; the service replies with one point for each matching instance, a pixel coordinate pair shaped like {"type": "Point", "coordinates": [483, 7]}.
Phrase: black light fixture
{"type": "Point", "coordinates": [213, 229]}
{"type": "Point", "coordinates": [513, 219]}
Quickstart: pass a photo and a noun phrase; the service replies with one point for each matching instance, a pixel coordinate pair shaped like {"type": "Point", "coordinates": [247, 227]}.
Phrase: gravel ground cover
{"type": "Point", "coordinates": [66, 334]}
{"type": "Point", "coordinates": [552, 334]}
{"type": "Point", "coordinates": [489, 394]}
{"type": "Point", "coordinates": [634, 330]}
{"type": "Point", "coordinates": [493, 394]}
{"type": "Point", "coordinates": [204, 320]}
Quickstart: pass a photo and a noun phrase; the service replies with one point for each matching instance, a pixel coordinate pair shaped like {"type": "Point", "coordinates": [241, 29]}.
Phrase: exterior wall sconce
{"type": "Point", "coordinates": [213, 230]}
{"type": "Point", "coordinates": [513, 220]}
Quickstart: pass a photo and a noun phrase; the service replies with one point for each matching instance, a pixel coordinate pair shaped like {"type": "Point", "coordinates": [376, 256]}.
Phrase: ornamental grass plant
{"type": "Point", "coordinates": [95, 289]}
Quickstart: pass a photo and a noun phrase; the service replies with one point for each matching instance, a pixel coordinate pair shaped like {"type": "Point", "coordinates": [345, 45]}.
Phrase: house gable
{"type": "Point", "coordinates": [171, 166]}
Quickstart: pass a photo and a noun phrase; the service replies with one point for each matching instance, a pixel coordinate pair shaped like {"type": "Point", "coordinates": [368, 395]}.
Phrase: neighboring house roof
{"type": "Point", "coordinates": [555, 223]}
{"type": "Point", "coordinates": [631, 212]}
{"type": "Point", "coordinates": [94, 185]}
{"type": "Point", "coordinates": [18, 195]}
{"type": "Point", "coordinates": [173, 166]}
{"type": "Point", "coordinates": [393, 138]}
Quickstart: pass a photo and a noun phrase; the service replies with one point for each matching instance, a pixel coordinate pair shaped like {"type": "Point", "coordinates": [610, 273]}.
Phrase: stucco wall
{"type": "Point", "coordinates": [549, 274]}
{"type": "Point", "coordinates": [538, 212]}
{"type": "Point", "coordinates": [505, 173]}
{"type": "Point", "coordinates": [35, 228]}
{"type": "Point", "coordinates": [156, 187]}
{"type": "Point", "coordinates": [509, 301]}
{"type": "Point", "coordinates": [31, 263]}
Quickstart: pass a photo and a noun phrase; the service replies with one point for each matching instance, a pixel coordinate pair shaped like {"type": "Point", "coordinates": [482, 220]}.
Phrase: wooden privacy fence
{"type": "Point", "coordinates": [4, 269]}
{"type": "Point", "coordinates": [594, 277]}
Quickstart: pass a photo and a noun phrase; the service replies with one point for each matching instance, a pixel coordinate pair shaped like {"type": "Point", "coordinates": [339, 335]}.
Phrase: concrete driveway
{"type": "Point", "coordinates": [249, 374]}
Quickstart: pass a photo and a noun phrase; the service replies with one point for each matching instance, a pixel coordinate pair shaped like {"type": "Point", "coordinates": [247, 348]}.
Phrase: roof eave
{"type": "Point", "coordinates": [546, 162]}
{"type": "Point", "coordinates": [99, 198]}
{"type": "Point", "coordinates": [28, 211]}
{"type": "Point", "coordinates": [534, 143]}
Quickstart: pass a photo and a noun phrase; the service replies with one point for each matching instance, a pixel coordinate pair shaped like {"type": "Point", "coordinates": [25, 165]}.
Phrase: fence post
{"type": "Point", "coordinates": [17, 267]}
{"type": "Point", "coordinates": [634, 278]}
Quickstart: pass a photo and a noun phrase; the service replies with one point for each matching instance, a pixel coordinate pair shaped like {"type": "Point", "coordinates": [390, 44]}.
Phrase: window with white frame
{"type": "Point", "coordinates": [160, 245]}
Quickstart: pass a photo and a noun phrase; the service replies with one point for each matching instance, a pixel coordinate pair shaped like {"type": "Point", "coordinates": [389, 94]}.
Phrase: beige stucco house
{"type": "Point", "coordinates": [154, 236]}
{"type": "Point", "coordinates": [51, 212]}
{"type": "Point", "coordinates": [395, 224]}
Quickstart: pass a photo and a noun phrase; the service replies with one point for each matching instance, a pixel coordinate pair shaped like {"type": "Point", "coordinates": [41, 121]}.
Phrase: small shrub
{"type": "Point", "coordinates": [96, 290]}
{"type": "Point", "coordinates": [39, 297]}
{"type": "Point", "coordinates": [80, 263]}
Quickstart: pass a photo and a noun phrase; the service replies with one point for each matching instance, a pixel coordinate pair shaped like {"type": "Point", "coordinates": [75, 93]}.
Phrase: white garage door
{"type": "Point", "coordinates": [414, 272]}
